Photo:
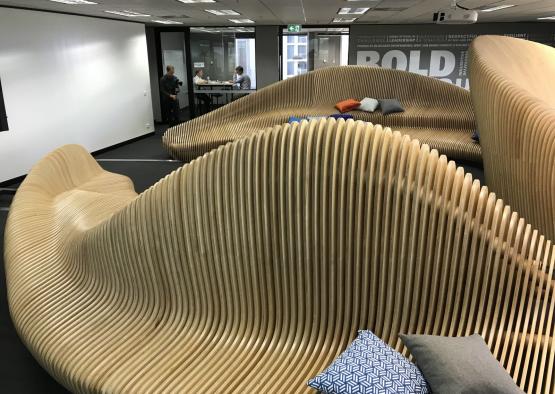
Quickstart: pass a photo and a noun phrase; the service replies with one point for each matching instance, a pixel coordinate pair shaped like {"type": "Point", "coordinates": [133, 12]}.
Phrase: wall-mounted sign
{"type": "Point", "coordinates": [294, 28]}
{"type": "Point", "coordinates": [198, 64]}
{"type": "Point", "coordinates": [441, 53]}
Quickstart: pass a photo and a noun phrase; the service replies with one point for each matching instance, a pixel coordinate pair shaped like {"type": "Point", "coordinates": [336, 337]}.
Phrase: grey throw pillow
{"type": "Point", "coordinates": [453, 365]}
{"type": "Point", "coordinates": [390, 106]}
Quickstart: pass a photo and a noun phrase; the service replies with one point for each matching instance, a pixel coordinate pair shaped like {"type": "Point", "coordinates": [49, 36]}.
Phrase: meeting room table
{"type": "Point", "coordinates": [221, 89]}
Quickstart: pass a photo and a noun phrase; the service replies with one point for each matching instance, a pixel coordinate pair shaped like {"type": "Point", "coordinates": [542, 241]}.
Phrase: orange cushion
{"type": "Point", "coordinates": [347, 105]}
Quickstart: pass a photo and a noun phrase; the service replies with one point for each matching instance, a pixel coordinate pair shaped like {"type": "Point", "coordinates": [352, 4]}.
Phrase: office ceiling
{"type": "Point", "coordinates": [294, 11]}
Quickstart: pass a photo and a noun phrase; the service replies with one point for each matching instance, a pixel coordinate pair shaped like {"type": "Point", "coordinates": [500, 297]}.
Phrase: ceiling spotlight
{"type": "Point", "coordinates": [241, 20]}
{"type": "Point", "coordinates": [167, 22]}
{"type": "Point", "coordinates": [344, 20]}
{"type": "Point", "coordinates": [127, 13]}
{"type": "Point", "coordinates": [223, 12]}
{"type": "Point", "coordinates": [74, 2]}
{"type": "Point", "coordinates": [352, 11]}
{"type": "Point", "coordinates": [496, 8]}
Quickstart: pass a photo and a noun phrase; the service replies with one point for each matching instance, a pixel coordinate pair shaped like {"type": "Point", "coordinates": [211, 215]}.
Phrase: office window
{"type": "Point", "coordinates": [314, 48]}
{"type": "Point", "coordinates": [290, 51]}
{"type": "Point", "coordinates": [3, 115]}
{"type": "Point", "coordinates": [294, 55]}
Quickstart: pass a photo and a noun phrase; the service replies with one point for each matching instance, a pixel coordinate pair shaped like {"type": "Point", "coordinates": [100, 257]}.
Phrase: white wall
{"type": "Point", "coordinates": [69, 79]}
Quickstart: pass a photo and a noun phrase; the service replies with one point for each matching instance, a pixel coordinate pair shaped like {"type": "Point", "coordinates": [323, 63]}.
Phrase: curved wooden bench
{"type": "Point", "coordinates": [251, 268]}
{"type": "Point", "coordinates": [513, 92]}
{"type": "Point", "coordinates": [437, 113]}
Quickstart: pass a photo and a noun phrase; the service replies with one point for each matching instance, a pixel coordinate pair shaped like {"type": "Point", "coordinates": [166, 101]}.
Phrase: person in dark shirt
{"type": "Point", "coordinates": [169, 87]}
{"type": "Point", "coordinates": [241, 79]}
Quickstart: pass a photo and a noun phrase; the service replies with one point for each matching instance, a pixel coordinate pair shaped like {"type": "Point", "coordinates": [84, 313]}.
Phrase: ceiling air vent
{"type": "Point", "coordinates": [174, 16]}
{"type": "Point", "coordinates": [389, 9]}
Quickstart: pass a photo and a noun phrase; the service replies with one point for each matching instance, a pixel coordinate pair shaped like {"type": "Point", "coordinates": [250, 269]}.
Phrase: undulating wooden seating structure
{"type": "Point", "coordinates": [249, 269]}
{"type": "Point", "coordinates": [436, 113]}
{"type": "Point", "coordinates": [513, 92]}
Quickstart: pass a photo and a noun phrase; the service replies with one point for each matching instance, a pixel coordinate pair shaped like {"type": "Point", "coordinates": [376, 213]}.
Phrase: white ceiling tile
{"type": "Point", "coordinates": [295, 11]}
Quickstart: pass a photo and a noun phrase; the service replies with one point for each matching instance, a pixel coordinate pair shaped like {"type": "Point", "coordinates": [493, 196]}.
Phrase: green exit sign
{"type": "Point", "coordinates": [294, 28]}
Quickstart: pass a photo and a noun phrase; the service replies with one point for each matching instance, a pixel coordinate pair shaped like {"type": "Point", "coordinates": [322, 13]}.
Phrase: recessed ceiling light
{"type": "Point", "coordinates": [74, 2]}
{"type": "Point", "coordinates": [352, 11]}
{"type": "Point", "coordinates": [130, 14]}
{"type": "Point", "coordinates": [241, 20]}
{"type": "Point", "coordinates": [344, 20]}
{"type": "Point", "coordinates": [167, 22]}
{"type": "Point", "coordinates": [547, 18]}
{"type": "Point", "coordinates": [497, 8]}
{"type": "Point", "coordinates": [223, 12]}
{"type": "Point", "coordinates": [196, 1]}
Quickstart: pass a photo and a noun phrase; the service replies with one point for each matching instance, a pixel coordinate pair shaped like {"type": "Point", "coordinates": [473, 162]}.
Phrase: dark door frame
{"type": "Point", "coordinates": [3, 114]}
{"type": "Point", "coordinates": [159, 61]}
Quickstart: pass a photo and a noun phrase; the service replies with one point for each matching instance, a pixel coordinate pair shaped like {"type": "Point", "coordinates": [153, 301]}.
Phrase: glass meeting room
{"type": "Point", "coordinates": [223, 65]}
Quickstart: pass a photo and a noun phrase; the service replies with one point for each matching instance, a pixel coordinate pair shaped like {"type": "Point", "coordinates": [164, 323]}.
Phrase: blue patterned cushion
{"type": "Point", "coordinates": [369, 365]}
{"type": "Point", "coordinates": [341, 116]}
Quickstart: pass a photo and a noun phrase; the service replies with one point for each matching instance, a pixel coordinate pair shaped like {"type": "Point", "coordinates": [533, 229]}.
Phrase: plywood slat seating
{"type": "Point", "coordinates": [513, 93]}
{"type": "Point", "coordinates": [252, 267]}
{"type": "Point", "coordinates": [437, 113]}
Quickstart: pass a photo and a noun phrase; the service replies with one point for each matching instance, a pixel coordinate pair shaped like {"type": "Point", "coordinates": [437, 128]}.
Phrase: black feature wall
{"type": "Point", "coordinates": [437, 51]}
{"type": "Point", "coordinates": [267, 55]}
{"type": "Point", "coordinates": [3, 115]}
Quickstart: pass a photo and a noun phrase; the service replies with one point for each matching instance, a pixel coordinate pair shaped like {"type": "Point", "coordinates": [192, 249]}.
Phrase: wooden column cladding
{"type": "Point", "coordinates": [513, 93]}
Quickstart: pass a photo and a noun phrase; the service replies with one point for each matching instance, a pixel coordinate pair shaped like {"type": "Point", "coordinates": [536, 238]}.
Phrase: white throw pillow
{"type": "Point", "coordinates": [368, 104]}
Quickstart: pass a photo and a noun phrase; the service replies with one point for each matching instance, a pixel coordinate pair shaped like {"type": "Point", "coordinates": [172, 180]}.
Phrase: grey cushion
{"type": "Point", "coordinates": [459, 365]}
{"type": "Point", "coordinates": [390, 106]}
{"type": "Point", "coordinates": [368, 104]}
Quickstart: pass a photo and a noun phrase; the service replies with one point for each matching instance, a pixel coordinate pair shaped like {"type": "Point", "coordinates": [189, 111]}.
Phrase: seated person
{"type": "Point", "coordinates": [199, 80]}
{"type": "Point", "coordinates": [243, 80]}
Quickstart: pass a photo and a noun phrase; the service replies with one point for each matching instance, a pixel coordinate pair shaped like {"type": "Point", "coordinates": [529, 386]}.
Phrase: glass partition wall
{"type": "Point", "coordinates": [313, 48]}
{"type": "Point", "coordinates": [218, 50]}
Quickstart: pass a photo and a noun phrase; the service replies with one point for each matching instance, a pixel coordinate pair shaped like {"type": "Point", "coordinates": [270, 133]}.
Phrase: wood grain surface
{"type": "Point", "coordinates": [513, 93]}
{"type": "Point", "coordinates": [437, 113]}
{"type": "Point", "coordinates": [251, 268]}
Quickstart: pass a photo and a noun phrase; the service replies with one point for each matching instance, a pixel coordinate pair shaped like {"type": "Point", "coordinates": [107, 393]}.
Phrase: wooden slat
{"type": "Point", "coordinates": [251, 268]}
{"type": "Point", "coordinates": [513, 94]}
{"type": "Point", "coordinates": [437, 113]}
